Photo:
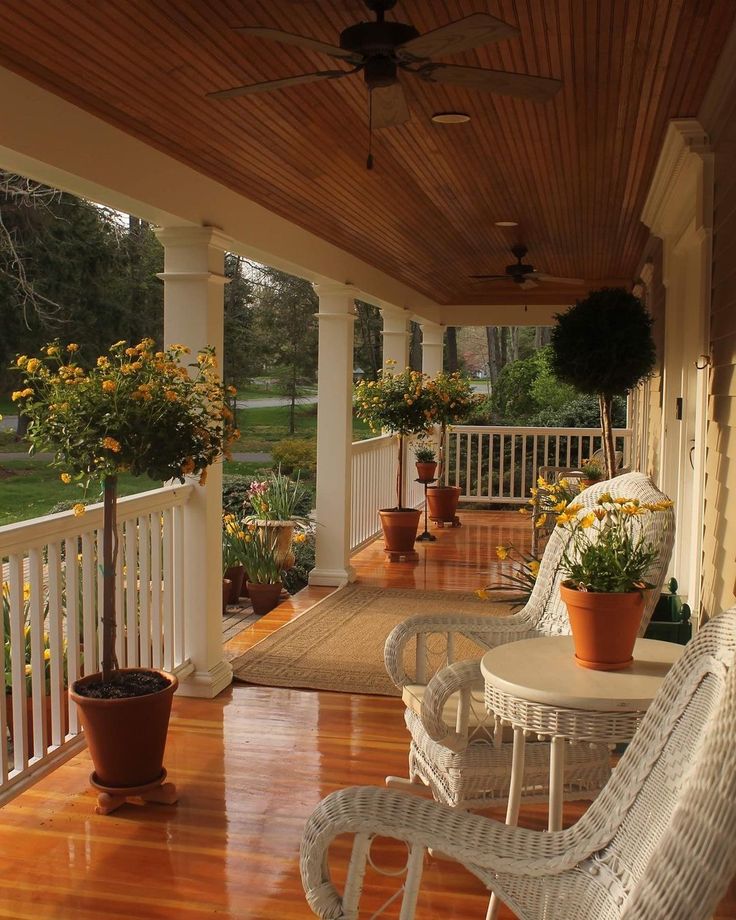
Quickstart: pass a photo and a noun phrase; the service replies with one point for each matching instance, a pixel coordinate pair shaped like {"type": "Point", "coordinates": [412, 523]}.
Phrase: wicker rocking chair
{"type": "Point", "coordinates": [659, 843]}
{"type": "Point", "coordinates": [454, 749]}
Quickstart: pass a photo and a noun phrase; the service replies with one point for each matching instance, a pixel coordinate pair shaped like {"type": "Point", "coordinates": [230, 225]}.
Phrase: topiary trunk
{"type": "Point", "coordinates": [605, 403]}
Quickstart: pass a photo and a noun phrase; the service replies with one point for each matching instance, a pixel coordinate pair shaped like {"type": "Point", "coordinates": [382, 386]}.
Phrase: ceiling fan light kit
{"type": "Point", "coordinates": [383, 49]}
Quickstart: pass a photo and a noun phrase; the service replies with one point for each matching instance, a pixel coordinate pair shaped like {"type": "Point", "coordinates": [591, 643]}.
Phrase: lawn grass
{"type": "Point", "coordinates": [261, 428]}
{"type": "Point", "coordinates": [8, 444]}
{"type": "Point", "coordinates": [30, 489]}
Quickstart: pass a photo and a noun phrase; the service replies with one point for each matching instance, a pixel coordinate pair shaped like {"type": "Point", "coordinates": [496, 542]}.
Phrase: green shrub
{"type": "Point", "coordinates": [235, 494]}
{"type": "Point", "coordinates": [296, 455]}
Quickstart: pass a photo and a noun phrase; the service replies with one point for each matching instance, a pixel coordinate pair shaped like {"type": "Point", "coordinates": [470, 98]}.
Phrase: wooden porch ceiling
{"type": "Point", "coordinates": [574, 171]}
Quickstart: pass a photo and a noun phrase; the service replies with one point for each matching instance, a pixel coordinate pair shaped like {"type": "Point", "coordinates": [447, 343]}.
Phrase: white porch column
{"type": "Point", "coordinates": [433, 347]}
{"type": "Point", "coordinates": [194, 283]}
{"type": "Point", "coordinates": [334, 433]}
{"type": "Point", "coordinates": [395, 337]}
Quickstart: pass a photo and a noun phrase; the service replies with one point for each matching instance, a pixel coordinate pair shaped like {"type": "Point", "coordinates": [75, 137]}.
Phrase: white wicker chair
{"type": "Point", "coordinates": [453, 750]}
{"type": "Point", "coordinates": [659, 843]}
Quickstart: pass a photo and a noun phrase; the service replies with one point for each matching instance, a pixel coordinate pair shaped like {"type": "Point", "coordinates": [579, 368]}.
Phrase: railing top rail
{"type": "Point", "coordinates": [17, 538]}
{"type": "Point", "coordinates": [368, 444]}
{"type": "Point", "coordinates": [520, 429]}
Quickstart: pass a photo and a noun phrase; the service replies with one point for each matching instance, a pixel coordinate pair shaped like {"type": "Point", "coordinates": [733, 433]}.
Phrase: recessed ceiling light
{"type": "Point", "coordinates": [450, 118]}
{"type": "Point", "coordinates": [507, 223]}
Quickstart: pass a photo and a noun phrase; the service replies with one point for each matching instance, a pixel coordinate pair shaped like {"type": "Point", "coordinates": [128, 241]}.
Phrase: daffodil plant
{"type": "Point", "coordinates": [134, 410]}
{"type": "Point", "coordinates": [608, 552]}
{"type": "Point", "coordinates": [520, 579]}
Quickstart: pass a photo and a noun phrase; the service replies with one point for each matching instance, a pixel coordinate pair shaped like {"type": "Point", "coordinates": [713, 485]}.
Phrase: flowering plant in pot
{"type": "Point", "coordinates": [233, 570]}
{"type": "Point", "coordinates": [426, 460]}
{"type": "Point", "coordinates": [277, 503]}
{"type": "Point", "coordinates": [607, 560]}
{"type": "Point", "coordinates": [263, 565]}
{"type": "Point", "coordinates": [452, 400]}
{"type": "Point", "coordinates": [400, 404]}
{"type": "Point", "coordinates": [592, 471]}
{"type": "Point", "coordinates": [140, 411]}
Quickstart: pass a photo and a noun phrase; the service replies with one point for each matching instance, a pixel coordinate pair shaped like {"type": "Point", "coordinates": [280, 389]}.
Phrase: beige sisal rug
{"type": "Point", "coordinates": [338, 643]}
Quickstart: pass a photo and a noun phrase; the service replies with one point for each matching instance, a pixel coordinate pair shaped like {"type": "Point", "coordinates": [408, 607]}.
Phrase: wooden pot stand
{"type": "Point", "coordinates": [109, 799]}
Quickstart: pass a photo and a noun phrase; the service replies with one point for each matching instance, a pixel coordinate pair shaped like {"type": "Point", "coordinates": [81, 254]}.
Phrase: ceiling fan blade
{"type": "Point", "coordinates": [269, 85]}
{"type": "Point", "coordinates": [288, 38]}
{"type": "Point", "coordinates": [527, 284]}
{"type": "Point", "coordinates": [537, 89]}
{"type": "Point", "coordinates": [389, 106]}
{"type": "Point", "coordinates": [488, 277]}
{"type": "Point", "coordinates": [478, 29]}
{"type": "Point", "coordinates": [542, 276]}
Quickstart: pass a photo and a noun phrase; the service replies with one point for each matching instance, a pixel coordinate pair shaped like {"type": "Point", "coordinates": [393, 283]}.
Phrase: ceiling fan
{"type": "Point", "coordinates": [380, 49]}
{"type": "Point", "coordinates": [526, 276]}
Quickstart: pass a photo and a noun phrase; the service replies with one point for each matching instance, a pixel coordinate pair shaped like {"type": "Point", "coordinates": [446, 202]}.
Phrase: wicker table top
{"type": "Point", "coordinates": [544, 671]}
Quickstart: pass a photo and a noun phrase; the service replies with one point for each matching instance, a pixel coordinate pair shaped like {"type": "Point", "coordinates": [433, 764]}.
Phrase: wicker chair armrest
{"type": "Point", "coordinates": [481, 844]}
{"type": "Point", "coordinates": [486, 631]}
{"type": "Point", "coordinates": [546, 471]}
{"type": "Point", "coordinates": [463, 678]}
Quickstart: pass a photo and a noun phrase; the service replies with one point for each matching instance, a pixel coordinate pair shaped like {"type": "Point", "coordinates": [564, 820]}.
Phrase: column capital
{"type": "Point", "coordinates": [329, 288]}
{"type": "Point", "coordinates": [192, 236]}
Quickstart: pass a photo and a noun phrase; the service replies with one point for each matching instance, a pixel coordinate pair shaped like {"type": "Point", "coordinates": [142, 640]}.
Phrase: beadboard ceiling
{"type": "Point", "coordinates": [574, 172]}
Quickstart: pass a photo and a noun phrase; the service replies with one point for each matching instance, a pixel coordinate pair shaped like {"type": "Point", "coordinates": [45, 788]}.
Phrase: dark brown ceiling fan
{"type": "Point", "coordinates": [380, 49]}
{"type": "Point", "coordinates": [526, 276]}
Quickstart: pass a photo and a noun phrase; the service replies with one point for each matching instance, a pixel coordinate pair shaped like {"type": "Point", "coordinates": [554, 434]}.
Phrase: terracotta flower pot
{"type": "Point", "coordinates": [236, 575]}
{"type": "Point", "coordinates": [126, 737]}
{"type": "Point", "coordinates": [227, 587]}
{"type": "Point", "coordinates": [443, 503]}
{"type": "Point", "coordinates": [426, 471]}
{"type": "Point", "coordinates": [604, 627]}
{"type": "Point", "coordinates": [400, 530]}
{"type": "Point", "coordinates": [264, 597]}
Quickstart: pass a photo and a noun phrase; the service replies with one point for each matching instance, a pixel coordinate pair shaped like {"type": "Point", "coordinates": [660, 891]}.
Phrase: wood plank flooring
{"type": "Point", "coordinates": [250, 767]}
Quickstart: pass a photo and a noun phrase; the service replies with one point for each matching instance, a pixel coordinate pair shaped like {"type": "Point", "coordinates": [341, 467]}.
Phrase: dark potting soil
{"type": "Point", "coordinates": [131, 683]}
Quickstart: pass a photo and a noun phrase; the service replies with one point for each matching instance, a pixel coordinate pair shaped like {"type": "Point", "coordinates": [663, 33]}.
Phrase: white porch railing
{"type": "Point", "coordinates": [374, 485]}
{"type": "Point", "coordinates": [52, 603]}
{"type": "Point", "coordinates": [499, 465]}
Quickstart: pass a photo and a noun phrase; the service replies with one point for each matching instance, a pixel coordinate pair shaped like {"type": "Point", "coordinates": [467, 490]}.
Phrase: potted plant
{"type": "Point", "coordinates": [606, 562]}
{"type": "Point", "coordinates": [401, 405]}
{"type": "Point", "coordinates": [276, 502]}
{"type": "Point", "coordinates": [426, 461]}
{"type": "Point", "coordinates": [452, 399]}
{"type": "Point", "coordinates": [592, 472]}
{"type": "Point", "coordinates": [263, 564]}
{"type": "Point", "coordinates": [138, 411]}
{"type": "Point", "coordinates": [233, 533]}
{"type": "Point", "coordinates": [603, 345]}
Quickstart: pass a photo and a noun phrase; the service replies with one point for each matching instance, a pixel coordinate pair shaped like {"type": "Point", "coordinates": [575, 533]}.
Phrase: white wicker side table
{"type": "Point", "coordinates": [536, 687]}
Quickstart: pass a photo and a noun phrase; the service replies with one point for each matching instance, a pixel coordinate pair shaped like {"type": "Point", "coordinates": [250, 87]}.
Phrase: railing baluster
{"type": "Point", "coordinates": [89, 616]}
{"type": "Point", "coordinates": [55, 628]}
{"type": "Point", "coordinates": [156, 621]}
{"type": "Point", "coordinates": [120, 644]}
{"type": "Point", "coordinates": [144, 592]}
{"type": "Point", "coordinates": [501, 463]}
{"type": "Point", "coordinates": [99, 582]}
{"type": "Point", "coordinates": [71, 592]}
{"type": "Point", "coordinates": [38, 662]}
{"type": "Point", "coordinates": [168, 594]}
{"type": "Point", "coordinates": [18, 666]}
{"type": "Point", "coordinates": [178, 548]}
{"type": "Point", "coordinates": [131, 577]}
{"type": "Point", "coordinates": [4, 689]}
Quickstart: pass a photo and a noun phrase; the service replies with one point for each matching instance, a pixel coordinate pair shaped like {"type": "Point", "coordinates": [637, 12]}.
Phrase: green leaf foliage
{"type": "Point", "coordinates": [603, 344]}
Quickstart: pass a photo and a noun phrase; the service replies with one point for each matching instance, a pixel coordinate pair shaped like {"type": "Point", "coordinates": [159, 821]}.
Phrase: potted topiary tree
{"type": "Point", "coordinates": [603, 345]}
{"type": "Point", "coordinates": [137, 411]}
{"type": "Point", "coordinates": [453, 400]}
{"type": "Point", "coordinates": [401, 405]}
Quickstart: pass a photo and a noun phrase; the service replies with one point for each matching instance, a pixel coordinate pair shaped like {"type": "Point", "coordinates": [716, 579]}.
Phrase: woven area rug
{"type": "Point", "coordinates": [338, 643]}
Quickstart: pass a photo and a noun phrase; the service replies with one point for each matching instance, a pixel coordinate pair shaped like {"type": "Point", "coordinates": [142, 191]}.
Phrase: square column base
{"type": "Point", "coordinates": [332, 577]}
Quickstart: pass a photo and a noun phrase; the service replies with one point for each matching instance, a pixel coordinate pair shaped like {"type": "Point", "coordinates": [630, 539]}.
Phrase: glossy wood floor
{"type": "Point", "coordinates": [250, 767]}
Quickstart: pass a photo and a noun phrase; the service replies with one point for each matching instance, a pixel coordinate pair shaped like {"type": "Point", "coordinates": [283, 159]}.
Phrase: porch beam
{"type": "Point", "coordinates": [194, 283]}
{"type": "Point", "coordinates": [336, 318]}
